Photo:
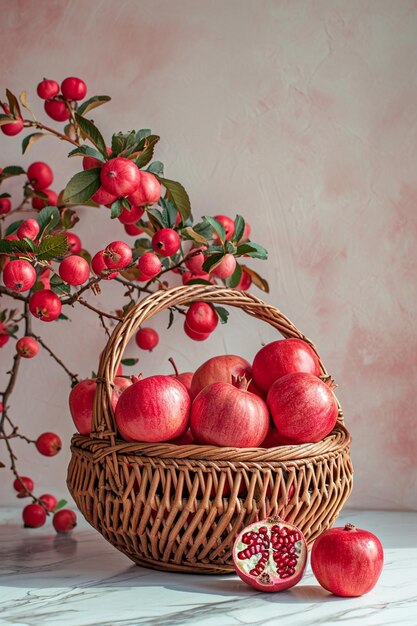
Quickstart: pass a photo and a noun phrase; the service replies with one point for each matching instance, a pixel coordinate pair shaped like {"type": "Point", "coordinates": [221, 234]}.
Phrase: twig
{"type": "Point", "coordinates": [73, 377]}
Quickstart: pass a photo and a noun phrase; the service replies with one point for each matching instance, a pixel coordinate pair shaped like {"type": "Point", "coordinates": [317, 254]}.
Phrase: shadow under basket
{"type": "Point", "coordinates": [179, 508]}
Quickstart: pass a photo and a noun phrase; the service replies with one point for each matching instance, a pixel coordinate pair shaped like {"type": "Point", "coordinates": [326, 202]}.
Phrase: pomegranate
{"type": "Point", "coordinates": [27, 347]}
{"type": "Point", "coordinates": [47, 89]}
{"type": "Point", "coordinates": [147, 338]}
{"type": "Point", "coordinates": [229, 415]}
{"type": "Point", "coordinates": [64, 520]}
{"type": "Point", "coordinates": [120, 176]}
{"type": "Point", "coordinates": [5, 206]}
{"type": "Point", "coordinates": [74, 270]}
{"type": "Point", "coordinates": [73, 88]}
{"type": "Point", "coordinates": [193, 335]}
{"type": "Point", "coordinates": [34, 516]}
{"type": "Point", "coordinates": [133, 230]}
{"type": "Point", "coordinates": [99, 266]}
{"type": "Point", "coordinates": [15, 126]}
{"type": "Point", "coordinates": [50, 200]}
{"type": "Point", "coordinates": [23, 485]}
{"type": "Point", "coordinates": [19, 275]}
{"type": "Point", "coordinates": [45, 305]}
{"type": "Point", "coordinates": [185, 377]}
{"type": "Point", "coordinates": [89, 162]}
{"type": "Point", "coordinates": [195, 259]}
{"type": "Point", "coordinates": [29, 229]}
{"type": "Point", "coordinates": [81, 401]}
{"type": "Point", "coordinates": [148, 190]}
{"type": "Point", "coordinates": [132, 216]}
{"type": "Point", "coordinates": [149, 265]}
{"type": "Point", "coordinates": [201, 318]}
{"type": "Point", "coordinates": [186, 439]}
{"type": "Point", "coordinates": [48, 444]}
{"type": "Point", "coordinates": [228, 225]}
{"type": "Point", "coordinates": [103, 197]}
{"type": "Point", "coordinates": [283, 357]}
{"type": "Point", "coordinates": [270, 555]}
{"type": "Point", "coordinates": [274, 439]}
{"type": "Point", "coordinates": [117, 255]}
{"type": "Point", "coordinates": [347, 561]}
{"type": "Point", "coordinates": [153, 409]}
{"type": "Point", "coordinates": [48, 501]}
{"type": "Point", "coordinates": [225, 268]}
{"type": "Point", "coordinates": [303, 407]}
{"type": "Point", "coordinates": [166, 241]}
{"type": "Point", "coordinates": [40, 175]}
{"type": "Point", "coordinates": [219, 369]}
{"type": "Point", "coordinates": [74, 243]}
{"type": "Point", "coordinates": [57, 110]}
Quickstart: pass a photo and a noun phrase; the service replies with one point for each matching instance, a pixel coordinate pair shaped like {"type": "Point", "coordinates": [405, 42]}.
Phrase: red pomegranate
{"type": "Point", "coordinates": [50, 200]}
{"type": "Point", "coordinates": [81, 401]}
{"type": "Point", "coordinates": [147, 338]}
{"type": "Point", "coordinates": [102, 196]}
{"type": "Point", "coordinates": [270, 555]}
{"type": "Point", "coordinates": [73, 88]}
{"type": "Point", "coordinates": [23, 485]}
{"type": "Point", "coordinates": [193, 335]}
{"type": "Point", "coordinates": [274, 439]}
{"type": "Point", "coordinates": [133, 230]}
{"type": "Point", "coordinates": [57, 110]}
{"type": "Point", "coordinates": [48, 444]}
{"type": "Point", "coordinates": [283, 357]}
{"type": "Point", "coordinates": [19, 275]}
{"type": "Point", "coordinates": [220, 369]}
{"type": "Point", "coordinates": [27, 347]}
{"type": "Point", "coordinates": [195, 259]}
{"type": "Point", "coordinates": [347, 561]}
{"type": "Point", "coordinates": [47, 89]}
{"type": "Point", "coordinates": [303, 407]}
{"type": "Point", "coordinates": [49, 501]}
{"type": "Point", "coordinates": [34, 516]}
{"type": "Point", "coordinates": [201, 318]}
{"type": "Point", "coordinates": [29, 229]}
{"type": "Point", "coordinates": [99, 266]}
{"type": "Point", "coordinates": [45, 305]}
{"type": "Point", "coordinates": [15, 126]}
{"type": "Point", "coordinates": [132, 216]}
{"type": "Point", "coordinates": [74, 270]}
{"type": "Point", "coordinates": [117, 255]}
{"type": "Point", "coordinates": [74, 243]}
{"type": "Point", "coordinates": [120, 176]}
{"type": "Point", "coordinates": [153, 409]}
{"type": "Point", "coordinates": [149, 265]}
{"type": "Point", "coordinates": [40, 175]}
{"type": "Point", "coordinates": [185, 377]}
{"type": "Point", "coordinates": [186, 439]}
{"type": "Point", "coordinates": [229, 415]}
{"type": "Point", "coordinates": [148, 190]}
{"type": "Point", "coordinates": [64, 520]}
{"type": "Point", "coordinates": [166, 242]}
{"type": "Point", "coordinates": [225, 268]}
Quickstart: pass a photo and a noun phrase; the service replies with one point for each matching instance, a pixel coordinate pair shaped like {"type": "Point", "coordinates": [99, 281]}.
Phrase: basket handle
{"type": "Point", "coordinates": [103, 418]}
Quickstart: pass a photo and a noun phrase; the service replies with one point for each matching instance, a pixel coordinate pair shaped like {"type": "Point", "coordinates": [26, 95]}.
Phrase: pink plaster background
{"type": "Point", "coordinates": [300, 115]}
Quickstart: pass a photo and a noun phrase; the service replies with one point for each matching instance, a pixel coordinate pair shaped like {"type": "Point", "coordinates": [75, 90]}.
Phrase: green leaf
{"type": "Point", "coordinates": [5, 195]}
{"type": "Point", "coordinates": [12, 170]}
{"type": "Point", "coordinates": [52, 247]}
{"type": "Point", "coordinates": [48, 218]}
{"type": "Point", "coordinates": [171, 318]}
{"type": "Point", "coordinates": [212, 261]}
{"type": "Point", "coordinates": [92, 133]}
{"type": "Point", "coordinates": [63, 317]}
{"type": "Point", "coordinates": [204, 229]}
{"type": "Point", "coordinates": [59, 286]}
{"type": "Point", "coordinates": [169, 212]}
{"type": "Point", "coordinates": [147, 147]}
{"type": "Point", "coordinates": [178, 195]}
{"type": "Point", "coordinates": [141, 134]}
{"type": "Point", "coordinates": [9, 247]}
{"type": "Point", "coordinates": [82, 186]}
{"type": "Point", "coordinates": [12, 228]}
{"type": "Point", "coordinates": [190, 233]}
{"type": "Point", "coordinates": [69, 218]}
{"type": "Point", "coordinates": [30, 140]}
{"type": "Point", "coordinates": [60, 504]}
{"type": "Point", "coordinates": [87, 151]}
{"type": "Point", "coordinates": [92, 103]}
{"type": "Point", "coordinates": [239, 228]}
{"type": "Point", "coordinates": [217, 227]}
{"type": "Point", "coordinates": [29, 243]}
{"type": "Point", "coordinates": [24, 101]}
{"type": "Point", "coordinates": [116, 208]}
{"type": "Point", "coordinates": [126, 204]}
{"type": "Point", "coordinates": [156, 167]}
{"type": "Point", "coordinates": [157, 218]}
{"type": "Point", "coordinates": [142, 245]}
{"type": "Point", "coordinates": [222, 313]}
{"type": "Point", "coordinates": [234, 279]}
{"type": "Point", "coordinates": [13, 104]}
{"type": "Point", "coordinates": [253, 250]}
{"type": "Point", "coordinates": [257, 280]}
{"type": "Point", "coordinates": [198, 281]}
{"type": "Point", "coordinates": [117, 144]}
{"type": "Point", "coordinates": [129, 362]}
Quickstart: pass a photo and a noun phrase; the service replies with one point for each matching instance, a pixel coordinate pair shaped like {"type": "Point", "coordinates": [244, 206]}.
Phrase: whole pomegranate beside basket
{"type": "Point", "coordinates": [175, 467]}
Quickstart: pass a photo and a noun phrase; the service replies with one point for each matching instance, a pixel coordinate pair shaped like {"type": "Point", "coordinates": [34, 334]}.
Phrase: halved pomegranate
{"type": "Point", "coordinates": [270, 555]}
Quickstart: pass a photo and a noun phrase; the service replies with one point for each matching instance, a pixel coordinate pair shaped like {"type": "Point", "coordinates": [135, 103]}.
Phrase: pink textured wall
{"type": "Point", "coordinates": [301, 115]}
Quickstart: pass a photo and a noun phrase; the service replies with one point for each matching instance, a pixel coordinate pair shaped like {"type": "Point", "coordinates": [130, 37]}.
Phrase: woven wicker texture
{"type": "Point", "coordinates": [179, 508]}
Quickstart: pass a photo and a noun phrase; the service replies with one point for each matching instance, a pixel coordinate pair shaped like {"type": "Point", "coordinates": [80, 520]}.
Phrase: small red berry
{"type": "Point", "coordinates": [245, 281]}
{"type": "Point", "coordinates": [29, 229]}
{"type": "Point", "coordinates": [99, 266]}
{"type": "Point", "coordinates": [103, 197]}
{"type": "Point", "coordinates": [117, 255]}
{"type": "Point", "coordinates": [50, 200]}
{"type": "Point", "coordinates": [34, 516]}
{"type": "Point", "coordinates": [19, 275]}
{"type": "Point", "coordinates": [132, 216]}
{"type": "Point", "coordinates": [74, 243]}
{"type": "Point", "coordinates": [148, 190]}
{"type": "Point", "coordinates": [193, 335]}
{"type": "Point", "coordinates": [15, 125]}
{"type": "Point", "coordinates": [226, 267]}
{"type": "Point", "coordinates": [133, 230]}
{"type": "Point", "coordinates": [27, 347]}
{"type": "Point", "coordinates": [57, 110]}
{"type": "Point", "coordinates": [89, 162]}
{"type": "Point", "coordinates": [74, 270]}
{"type": "Point", "coordinates": [228, 225]}
{"type": "Point", "coordinates": [45, 305]}
{"type": "Point", "coordinates": [64, 520]}
{"type": "Point", "coordinates": [4, 335]}
{"type": "Point", "coordinates": [40, 175]}
{"type": "Point", "coordinates": [120, 176]}
{"type": "Point", "coordinates": [49, 501]}
{"type": "Point", "coordinates": [195, 259]}
{"type": "Point", "coordinates": [47, 89]}
{"type": "Point", "coordinates": [201, 318]}
{"type": "Point", "coordinates": [73, 88]}
{"type": "Point", "coordinates": [48, 444]}
{"type": "Point", "coordinates": [166, 241]}
{"type": "Point", "coordinates": [23, 485]}
{"type": "Point", "coordinates": [5, 206]}
{"type": "Point", "coordinates": [147, 338]}
{"type": "Point", "coordinates": [149, 264]}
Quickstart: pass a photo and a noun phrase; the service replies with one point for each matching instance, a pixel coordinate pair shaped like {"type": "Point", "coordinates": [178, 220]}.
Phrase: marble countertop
{"type": "Point", "coordinates": [81, 580]}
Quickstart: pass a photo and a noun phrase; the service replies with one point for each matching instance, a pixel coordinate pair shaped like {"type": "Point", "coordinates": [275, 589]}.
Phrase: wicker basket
{"type": "Point", "coordinates": [178, 508]}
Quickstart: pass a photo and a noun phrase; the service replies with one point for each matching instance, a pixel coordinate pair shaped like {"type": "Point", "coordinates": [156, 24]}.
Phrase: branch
{"type": "Point", "coordinates": [73, 377]}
